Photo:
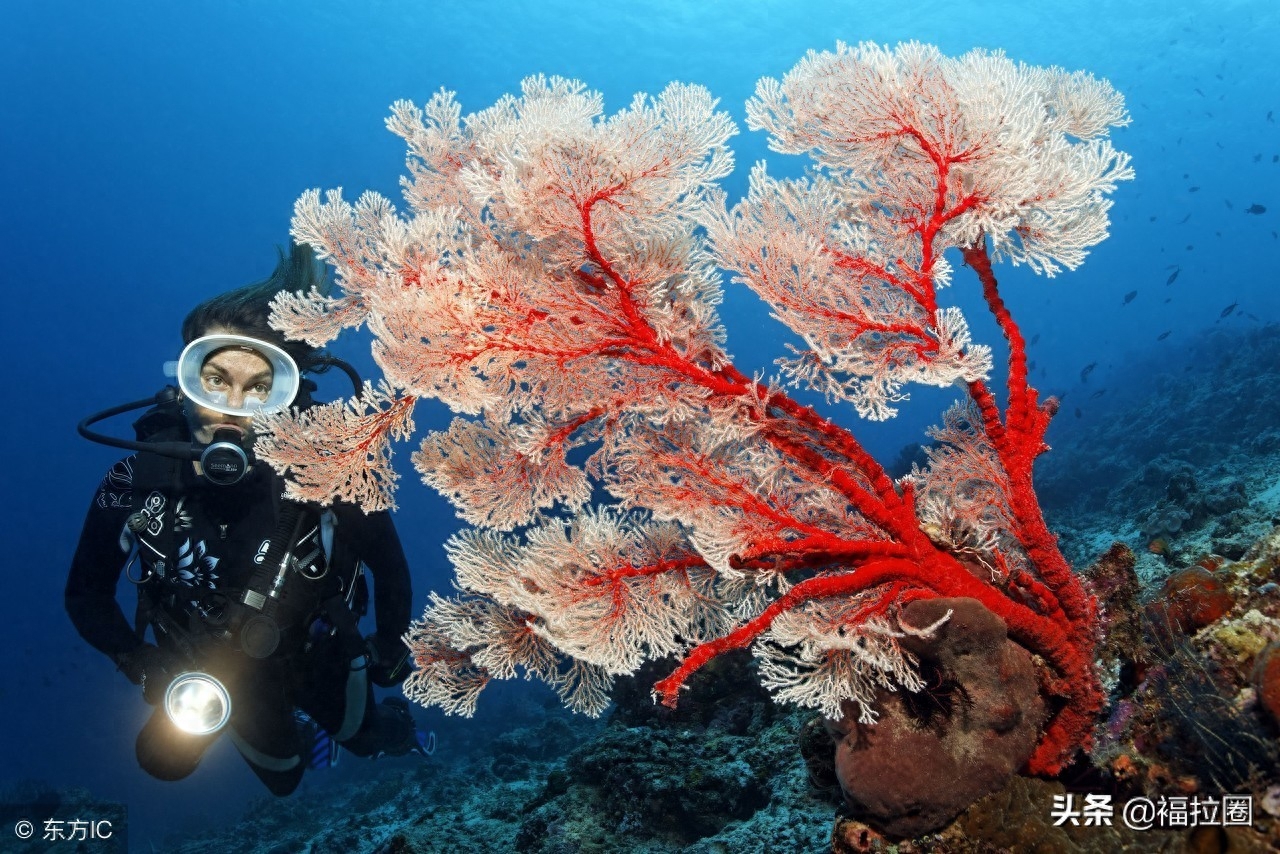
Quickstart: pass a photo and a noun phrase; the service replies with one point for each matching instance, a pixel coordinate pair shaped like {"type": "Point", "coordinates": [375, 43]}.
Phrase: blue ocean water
{"type": "Point", "coordinates": [150, 154]}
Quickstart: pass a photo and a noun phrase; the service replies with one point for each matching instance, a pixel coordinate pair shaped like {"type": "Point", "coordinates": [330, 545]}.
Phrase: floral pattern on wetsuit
{"type": "Point", "coordinates": [116, 489]}
{"type": "Point", "coordinates": [196, 569]}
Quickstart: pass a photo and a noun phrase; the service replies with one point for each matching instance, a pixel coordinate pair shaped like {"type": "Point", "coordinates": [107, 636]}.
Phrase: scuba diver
{"type": "Point", "coordinates": [253, 600]}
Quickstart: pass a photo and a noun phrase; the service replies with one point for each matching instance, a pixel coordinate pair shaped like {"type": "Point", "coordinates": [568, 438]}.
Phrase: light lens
{"type": "Point", "coordinates": [197, 703]}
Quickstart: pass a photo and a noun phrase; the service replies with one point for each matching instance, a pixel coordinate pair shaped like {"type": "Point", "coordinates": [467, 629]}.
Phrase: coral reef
{"type": "Point", "coordinates": [1192, 455]}
{"type": "Point", "coordinates": [1191, 720]}
{"type": "Point", "coordinates": [1014, 821]}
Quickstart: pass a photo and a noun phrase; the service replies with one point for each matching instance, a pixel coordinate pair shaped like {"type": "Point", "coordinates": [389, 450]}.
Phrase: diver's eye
{"type": "Point", "coordinates": [262, 390]}
{"type": "Point", "coordinates": [213, 381]}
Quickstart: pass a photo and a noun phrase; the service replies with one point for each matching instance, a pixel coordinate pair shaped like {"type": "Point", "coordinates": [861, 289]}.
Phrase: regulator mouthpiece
{"type": "Point", "coordinates": [225, 461]}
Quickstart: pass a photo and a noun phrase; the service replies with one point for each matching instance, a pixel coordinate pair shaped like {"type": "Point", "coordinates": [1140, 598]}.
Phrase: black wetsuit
{"type": "Point", "coordinates": [216, 534]}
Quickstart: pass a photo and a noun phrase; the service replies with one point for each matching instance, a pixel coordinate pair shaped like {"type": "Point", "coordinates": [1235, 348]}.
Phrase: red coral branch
{"type": "Point", "coordinates": [1060, 625]}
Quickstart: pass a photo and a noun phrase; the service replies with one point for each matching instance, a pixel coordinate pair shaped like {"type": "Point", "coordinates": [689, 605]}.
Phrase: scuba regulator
{"type": "Point", "coordinates": [225, 460]}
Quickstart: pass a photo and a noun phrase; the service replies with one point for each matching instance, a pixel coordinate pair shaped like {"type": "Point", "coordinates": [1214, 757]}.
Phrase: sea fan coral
{"type": "Point", "coordinates": [556, 283]}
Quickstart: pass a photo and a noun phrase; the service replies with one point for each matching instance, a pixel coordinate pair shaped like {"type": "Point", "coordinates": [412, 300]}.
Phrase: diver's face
{"type": "Point", "coordinates": [239, 374]}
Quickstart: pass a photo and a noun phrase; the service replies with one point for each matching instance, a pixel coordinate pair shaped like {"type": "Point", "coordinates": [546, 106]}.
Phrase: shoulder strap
{"type": "Point", "coordinates": [156, 479]}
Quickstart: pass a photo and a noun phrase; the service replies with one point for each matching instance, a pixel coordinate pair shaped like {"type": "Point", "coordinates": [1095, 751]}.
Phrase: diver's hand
{"type": "Point", "coordinates": [388, 661]}
{"type": "Point", "coordinates": [146, 666]}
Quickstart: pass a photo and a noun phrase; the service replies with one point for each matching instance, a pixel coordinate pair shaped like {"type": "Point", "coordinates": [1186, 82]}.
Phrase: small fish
{"type": "Point", "coordinates": [1198, 92]}
{"type": "Point", "coordinates": [1227, 311]}
{"type": "Point", "coordinates": [1193, 189]}
{"type": "Point", "coordinates": [1172, 276]}
{"type": "Point", "coordinates": [1128, 298]}
{"type": "Point", "coordinates": [1227, 202]}
{"type": "Point", "coordinates": [1164, 335]}
{"type": "Point", "coordinates": [1257, 158]}
{"type": "Point", "coordinates": [1078, 412]}
{"type": "Point", "coordinates": [1099, 393]}
{"type": "Point", "coordinates": [1255, 209]}
{"type": "Point", "coordinates": [1031, 366]}
{"type": "Point", "coordinates": [1035, 339]}
{"type": "Point", "coordinates": [1088, 369]}
{"type": "Point", "coordinates": [1269, 118]}
{"type": "Point", "coordinates": [1184, 219]}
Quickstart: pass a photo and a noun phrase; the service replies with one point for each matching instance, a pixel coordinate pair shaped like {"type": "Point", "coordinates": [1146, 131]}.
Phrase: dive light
{"type": "Point", "coordinates": [197, 703]}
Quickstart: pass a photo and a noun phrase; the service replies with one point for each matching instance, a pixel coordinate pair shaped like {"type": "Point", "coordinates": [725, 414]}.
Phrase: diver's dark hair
{"type": "Point", "coordinates": [245, 310]}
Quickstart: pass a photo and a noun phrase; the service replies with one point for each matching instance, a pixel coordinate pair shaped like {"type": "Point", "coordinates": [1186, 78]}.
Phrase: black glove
{"type": "Point", "coordinates": [146, 666]}
{"type": "Point", "coordinates": [388, 661]}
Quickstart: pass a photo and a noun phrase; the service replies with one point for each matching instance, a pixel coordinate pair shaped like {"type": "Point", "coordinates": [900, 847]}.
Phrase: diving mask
{"type": "Point", "coordinates": [277, 393]}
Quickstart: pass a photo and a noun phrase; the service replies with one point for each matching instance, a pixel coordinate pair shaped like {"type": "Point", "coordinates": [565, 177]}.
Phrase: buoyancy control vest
{"type": "Point", "coordinates": [239, 567]}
